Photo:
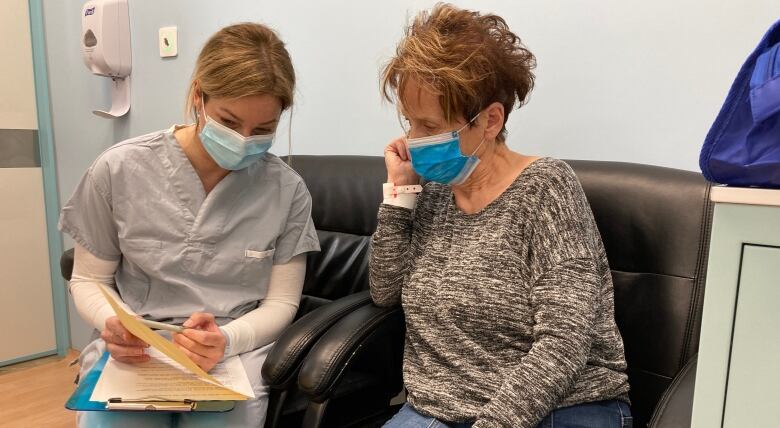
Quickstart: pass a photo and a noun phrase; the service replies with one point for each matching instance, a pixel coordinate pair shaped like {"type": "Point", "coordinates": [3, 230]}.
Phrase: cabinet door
{"type": "Point", "coordinates": [754, 369]}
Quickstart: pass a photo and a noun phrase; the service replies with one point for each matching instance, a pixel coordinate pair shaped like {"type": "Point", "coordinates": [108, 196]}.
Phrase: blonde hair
{"type": "Point", "coordinates": [240, 60]}
{"type": "Point", "coordinates": [469, 60]}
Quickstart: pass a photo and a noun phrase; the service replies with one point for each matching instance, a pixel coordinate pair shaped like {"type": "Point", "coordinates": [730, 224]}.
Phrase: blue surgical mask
{"type": "Point", "coordinates": [438, 158]}
{"type": "Point", "coordinates": [228, 148]}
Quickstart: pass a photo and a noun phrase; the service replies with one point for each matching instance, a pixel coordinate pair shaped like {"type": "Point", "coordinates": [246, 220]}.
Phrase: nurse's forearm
{"type": "Point", "coordinates": [276, 311]}
{"type": "Point", "coordinates": [88, 272]}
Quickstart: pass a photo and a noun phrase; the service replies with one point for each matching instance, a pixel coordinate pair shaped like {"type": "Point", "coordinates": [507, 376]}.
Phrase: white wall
{"type": "Point", "coordinates": [634, 81]}
{"type": "Point", "coordinates": [620, 80]}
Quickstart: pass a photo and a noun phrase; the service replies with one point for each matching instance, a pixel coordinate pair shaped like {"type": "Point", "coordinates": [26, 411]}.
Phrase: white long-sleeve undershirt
{"type": "Point", "coordinates": [257, 328]}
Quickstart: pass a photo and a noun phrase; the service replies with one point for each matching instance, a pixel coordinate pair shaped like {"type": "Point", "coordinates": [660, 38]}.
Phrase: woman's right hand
{"type": "Point", "coordinates": [398, 161]}
{"type": "Point", "coordinates": [122, 344]}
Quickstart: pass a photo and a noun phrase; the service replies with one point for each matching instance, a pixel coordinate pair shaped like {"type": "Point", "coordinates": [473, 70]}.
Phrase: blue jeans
{"type": "Point", "coordinates": [407, 417]}
{"type": "Point", "coordinates": [601, 414]}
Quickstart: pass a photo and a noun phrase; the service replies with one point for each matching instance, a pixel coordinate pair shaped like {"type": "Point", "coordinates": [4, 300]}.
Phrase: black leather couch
{"type": "Point", "coordinates": [339, 364]}
{"type": "Point", "coordinates": [345, 200]}
{"type": "Point", "coordinates": [655, 224]}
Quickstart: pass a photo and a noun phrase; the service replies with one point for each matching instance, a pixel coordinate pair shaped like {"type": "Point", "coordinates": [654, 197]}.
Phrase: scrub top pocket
{"type": "Point", "coordinates": [135, 243]}
{"type": "Point", "coordinates": [257, 267]}
{"type": "Point", "coordinates": [143, 252]}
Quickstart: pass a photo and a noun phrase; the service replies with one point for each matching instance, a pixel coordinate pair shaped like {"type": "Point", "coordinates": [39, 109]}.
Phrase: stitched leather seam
{"type": "Point", "coordinates": [667, 395]}
{"type": "Point", "coordinates": [652, 273]}
{"type": "Point", "coordinates": [701, 274]}
{"type": "Point", "coordinates": [347, 344]}
{"type": "Point", "coordinates": [648, 372]}
{"type": "Point", "coordinates": [360, 233]}
{"type": "Point", "coordinates": [298, 346]}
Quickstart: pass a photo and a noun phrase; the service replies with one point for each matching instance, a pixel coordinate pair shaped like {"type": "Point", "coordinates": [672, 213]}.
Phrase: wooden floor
{"type": "Point", "coordinates": [33, 394]}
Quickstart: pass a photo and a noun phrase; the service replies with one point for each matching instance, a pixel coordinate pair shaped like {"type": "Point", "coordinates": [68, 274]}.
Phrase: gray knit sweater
{"type": "Point", "coordinates": [509, 311]}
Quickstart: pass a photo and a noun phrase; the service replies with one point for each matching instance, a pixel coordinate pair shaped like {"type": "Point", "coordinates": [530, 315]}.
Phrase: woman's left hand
{"type": "Point", "coordinates": [201, 340]}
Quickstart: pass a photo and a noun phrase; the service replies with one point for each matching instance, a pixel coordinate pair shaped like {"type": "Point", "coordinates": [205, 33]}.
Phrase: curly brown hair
{"type": "Point", "coordinates": [468, 59]}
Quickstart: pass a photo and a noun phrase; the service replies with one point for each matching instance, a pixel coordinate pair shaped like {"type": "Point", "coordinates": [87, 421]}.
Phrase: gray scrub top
{"type": "Point", "coordinates": [180, 250]}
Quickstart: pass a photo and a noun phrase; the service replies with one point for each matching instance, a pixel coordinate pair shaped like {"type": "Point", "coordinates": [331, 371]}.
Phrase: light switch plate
{"type": "Point", "coordinates": [169, 43]}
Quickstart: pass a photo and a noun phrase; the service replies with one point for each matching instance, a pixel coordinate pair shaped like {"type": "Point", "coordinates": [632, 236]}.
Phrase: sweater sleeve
{"type": "Point", "coordinates": [390, 254]}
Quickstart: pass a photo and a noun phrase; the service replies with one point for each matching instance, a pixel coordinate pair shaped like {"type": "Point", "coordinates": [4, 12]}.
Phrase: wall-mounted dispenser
{"type": "Point", "coordinates": [105, 45]}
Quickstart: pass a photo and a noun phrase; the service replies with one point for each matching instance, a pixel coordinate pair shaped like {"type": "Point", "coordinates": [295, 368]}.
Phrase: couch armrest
{"type": "Point", "coordinates": [66, 264]}
{"type": "Point", "coordinates": [674, 409]}
{"type": "Point", "coordinates": [328, 360]}
{"type": "Point", "coordinates": [283, 361]}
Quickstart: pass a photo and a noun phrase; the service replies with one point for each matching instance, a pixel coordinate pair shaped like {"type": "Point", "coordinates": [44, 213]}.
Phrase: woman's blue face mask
{"type": "Point", "coordinates": [438, 157]}
{"type": "Point", "coordinates": [229, 149]}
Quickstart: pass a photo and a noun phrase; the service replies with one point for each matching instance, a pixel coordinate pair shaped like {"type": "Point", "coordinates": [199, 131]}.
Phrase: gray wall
{"type": "Point", "coordinates": [617, 80]}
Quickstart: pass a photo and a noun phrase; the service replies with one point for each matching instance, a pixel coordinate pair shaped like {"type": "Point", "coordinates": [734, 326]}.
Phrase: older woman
{"type": "Point", "coordinates": [497, 263]}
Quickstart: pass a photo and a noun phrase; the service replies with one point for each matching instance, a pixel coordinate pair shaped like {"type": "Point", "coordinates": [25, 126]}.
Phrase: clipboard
{"type": "Point", "coordinates": [80, 399]}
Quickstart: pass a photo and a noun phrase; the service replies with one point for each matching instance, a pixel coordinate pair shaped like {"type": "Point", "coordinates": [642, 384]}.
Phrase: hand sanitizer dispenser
{"type": "Point", "coordinates": [105, 46]}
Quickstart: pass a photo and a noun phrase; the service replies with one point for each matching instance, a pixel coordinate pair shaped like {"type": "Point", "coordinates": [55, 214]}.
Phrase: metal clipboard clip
{"type": "Point", "coordinates": [151, 406]}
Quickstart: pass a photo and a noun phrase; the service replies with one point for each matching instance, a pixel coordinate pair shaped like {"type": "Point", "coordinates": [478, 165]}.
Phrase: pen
{"type": "Point", "coordinates": [162, 326]}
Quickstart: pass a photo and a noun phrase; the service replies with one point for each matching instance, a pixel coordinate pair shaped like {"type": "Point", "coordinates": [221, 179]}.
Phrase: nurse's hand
{"type": "Point", "coordinates": [398, 161]}
{"type": "Point", "coordinates": [121, 344]}
{"type": "Point", "coordinates": [202, 340]}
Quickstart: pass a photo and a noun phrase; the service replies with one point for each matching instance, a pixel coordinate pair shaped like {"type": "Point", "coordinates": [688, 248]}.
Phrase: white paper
{"type": "Point", "coordinates": [163, 379]}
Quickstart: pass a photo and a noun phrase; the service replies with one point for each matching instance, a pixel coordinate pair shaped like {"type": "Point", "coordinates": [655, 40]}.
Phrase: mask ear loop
{"type": "Point", "coordinates": [468, 123]}
{"type": "Point", "coordinates": [194, 111]}
{"type": "Point", "coordinates": [401, 123]}
{"type": "Point", "coordinates": [203, 105]}
{"type": "Point", "coordinates": [197, 113]}
{"type": "Point", "coordinates": [464, 127]}
{"type": "Point", "coordinates": [289, 138]}
{"type": "Point", "coordinates": [477, 149]}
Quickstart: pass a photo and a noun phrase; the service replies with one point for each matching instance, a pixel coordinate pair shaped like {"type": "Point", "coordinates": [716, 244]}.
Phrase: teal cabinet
{"type": "Point", "coordinates": [738, 373]}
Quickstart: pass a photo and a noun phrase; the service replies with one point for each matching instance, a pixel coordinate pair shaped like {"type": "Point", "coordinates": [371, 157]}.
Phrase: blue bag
{"type": "Point", "coordinates": [743, 146]}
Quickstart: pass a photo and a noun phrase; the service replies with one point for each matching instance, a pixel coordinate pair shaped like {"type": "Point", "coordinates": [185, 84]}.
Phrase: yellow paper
{"type": "Point", "coordinates": [164, 345]}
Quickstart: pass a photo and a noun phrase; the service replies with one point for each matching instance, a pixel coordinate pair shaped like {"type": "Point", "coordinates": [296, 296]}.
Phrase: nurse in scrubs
{"type": "Point", "coordinates": [198, 225]}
